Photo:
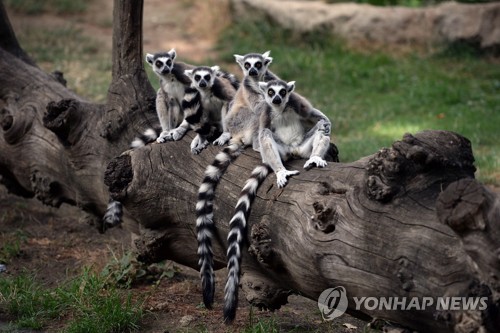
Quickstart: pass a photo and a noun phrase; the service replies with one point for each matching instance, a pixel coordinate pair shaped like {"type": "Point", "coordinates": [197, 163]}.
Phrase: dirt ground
{"type": "Point", "coordinates": [57, 243]}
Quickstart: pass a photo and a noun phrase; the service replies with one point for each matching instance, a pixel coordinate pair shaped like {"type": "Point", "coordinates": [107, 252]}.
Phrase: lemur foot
{"type": "Point", "coordinates": [282, 177]}
{"type": "Point", "coordinates": [164, 137]}
{"type": "Point", "coordinates": [178, 133]}
{"type": "Point", "coordinates": [198, 144]}
{"type": "Point", "coordinates": [222, 139]}
{"type": "Point", "coordinates": [315, 160]}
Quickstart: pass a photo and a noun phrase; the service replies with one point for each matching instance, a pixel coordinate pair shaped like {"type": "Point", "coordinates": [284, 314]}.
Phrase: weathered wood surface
{"type": "Point", "coordinates": [370, 226]}
{"type": "Point", "coordinates": [55, 145]}
{"type": "Point", "coordinates": [389, 224]}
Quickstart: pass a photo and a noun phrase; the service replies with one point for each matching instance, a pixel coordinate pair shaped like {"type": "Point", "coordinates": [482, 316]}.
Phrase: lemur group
{"type": "Point", "coordinates": [261, 111]}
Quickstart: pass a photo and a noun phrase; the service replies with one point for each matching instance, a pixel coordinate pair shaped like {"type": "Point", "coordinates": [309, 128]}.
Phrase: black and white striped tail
{"type": "Point", "coordinates": [148, 136]}
{"type": "Point", "coordinates": [237, 237]}
{"type": "Point", "coordinates": [113, 215]}
{"type": "Point", "coordinates": [204, 222]}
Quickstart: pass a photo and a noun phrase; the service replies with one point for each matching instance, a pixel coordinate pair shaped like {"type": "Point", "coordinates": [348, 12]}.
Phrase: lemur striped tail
{"type": "Point", "coordinates": [236, 239]}
{"type": "Point", "coordinates": [113, 215]}
{"type": "Point", "coordinates": [148, 136]}
{"type": "Point", "coordinates": [204, 222]}
{"type": "Point", "coordinates": [114, 211]}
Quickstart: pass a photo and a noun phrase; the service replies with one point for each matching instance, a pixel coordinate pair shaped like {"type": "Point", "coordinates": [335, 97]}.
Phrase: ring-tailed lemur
{"type": "Point", "coordinates": [284, 132]}
{"type": "Point", "coordinates": [242, 123]}
{"type": "Point", "coordinates": [216, 90]}
{"type": "Point", "coordinates": [204, 107]}
{"type": "Point", "coordinates": [174, 85]}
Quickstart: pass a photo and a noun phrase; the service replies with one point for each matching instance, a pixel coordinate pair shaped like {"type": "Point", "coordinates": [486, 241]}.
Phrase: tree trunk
{"type": "Point", "coordinates": [409, 221]}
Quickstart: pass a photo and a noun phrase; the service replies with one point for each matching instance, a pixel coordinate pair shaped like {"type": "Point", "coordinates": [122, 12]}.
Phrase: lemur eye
{"type": "Point", "coordinates": [169, 62]}
{"type": "Point", "coordinates": [270, 92]}
{"type": "Point", "coordinates": [247, 65]}
{"type": "Point", "coordinates": [282, 92]}
{"type": "Point", "coordinates": [207, 77]}
{"type": "Point", "coordinates": [197, 77]}
{"type": "Point", "coordinates": [158, 63]}
{"type": "Point", "coordinates": [258, 65]}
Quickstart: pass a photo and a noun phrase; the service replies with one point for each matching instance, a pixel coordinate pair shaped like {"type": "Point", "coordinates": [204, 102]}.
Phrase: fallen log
{"type": "Point", "coordinates": [409, 221]}
{"type": "Point", "coordinates": [376, 226]}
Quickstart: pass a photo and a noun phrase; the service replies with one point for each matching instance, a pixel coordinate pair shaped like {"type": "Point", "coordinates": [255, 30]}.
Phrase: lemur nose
{"type": "Point", "coordinates": [253, 72]}
{"type": "Point", "coordinates": [165, 71]}
{"type": "Point", "coordinates": [203, 84]}
{"type": "Point", "coordinates": [277, 100]}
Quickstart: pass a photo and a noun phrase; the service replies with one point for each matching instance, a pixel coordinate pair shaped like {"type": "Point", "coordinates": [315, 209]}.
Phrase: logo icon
{"type": "Point", "coordinates": [332, 303]}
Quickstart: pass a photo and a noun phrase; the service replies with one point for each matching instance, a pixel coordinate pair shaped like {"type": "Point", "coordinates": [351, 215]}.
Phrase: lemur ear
{"type": "Point", "coordinates": [149, 58]}
{"type": "Point", "coordinates": [267, 58]}
{"type": "Point", "coordinates": [263, 86]}
{"type": "Point", "coordinates": [188, 72]}
{"type": "Point", "coordinates": [215, 68]}
{"type": "Point", "coordinates": [239, 59]}
{"type": "Point", "coordinates": [290, 86]}
{"type": "Point", "coordinates": [172, 54]}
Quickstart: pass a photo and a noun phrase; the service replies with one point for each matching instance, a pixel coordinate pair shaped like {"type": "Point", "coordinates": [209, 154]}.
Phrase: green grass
{"type": "Point", "coordinates": [374, 98]}
{"type": "Point", "coordinates": [86, 304]}
{"type": "Point", "coordinates": [407, 3]}
{"type": "Point", "coordinates": [371, 98]}
{"type": "Point", "coordinates": [11, 247]}
{"type": "Point", "coordinates": [35, 7]}
{"type": "Point", "coordinates": [67, 49]}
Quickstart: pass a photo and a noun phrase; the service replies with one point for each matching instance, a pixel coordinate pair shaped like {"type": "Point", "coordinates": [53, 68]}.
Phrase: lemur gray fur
{"type": "Point", "coordinates": [204, 105]}
{"type": "Point", "coordinates": [175, 85]}
{"type": "Point", "coordinates": [289, 128]}
{"type": "Point", "coordinates": [216, 90]}
{"type": "Point", "coordinates": [242, 123]}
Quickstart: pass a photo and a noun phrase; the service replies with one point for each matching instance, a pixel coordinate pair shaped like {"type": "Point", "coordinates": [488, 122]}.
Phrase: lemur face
{"type": "Point", "coordinates": [277, 92]}
{"type": "Point", "coordinates": [162, 62]}
{"type": "Point", "coordinates": [254, 64]}
{"type": "Point", "coordinates": [202, 77]}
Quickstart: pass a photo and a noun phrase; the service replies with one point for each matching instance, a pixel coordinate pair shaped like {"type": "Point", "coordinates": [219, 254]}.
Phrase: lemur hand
{"type": "Point", "coordinates": [315, 160]}
{"type": "Point", "coordinates": [325, 127]}
{"type": "Point", "coordinates": [282, 176]}
{"type": "Point", "coordinates": [164, 137]}
{"type": "Point", "coordinates": [177, 133]}
{"type": "Point", "coordinates": [222, 139]}
{"type": "Point", "coordinates": [198, 144]}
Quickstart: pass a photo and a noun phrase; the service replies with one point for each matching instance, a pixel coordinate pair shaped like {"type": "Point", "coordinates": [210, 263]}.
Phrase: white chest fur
{"type": "Point", "coordinates": [288, 128]}
{"type": "Point", "coordinates": [173, 88]}
{"type": "Point", "coordinates": [210, 102]}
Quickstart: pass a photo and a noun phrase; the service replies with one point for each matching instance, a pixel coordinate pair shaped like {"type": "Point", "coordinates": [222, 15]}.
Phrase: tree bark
{"type": "Point", "coordinates": [55, 145]}
{"type": "Point", "coordinates": [408, 221]}
{"type": "Point", "coordinates": [371, 226]}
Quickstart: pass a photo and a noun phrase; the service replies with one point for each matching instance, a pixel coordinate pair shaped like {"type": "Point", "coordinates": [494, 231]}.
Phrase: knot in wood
{"type": "Point", "coordinates": [59, 77]}
{"type": "Point", "coordinates": [46, 190]}
{"type": "Point", "coordinates": [60, 117]}
{"type": "Point", "coordinates": [263, 293]}
{"type": "Point", "coordinates": [405, 277]}
{"type": "Point", "coordinates": [260, 243]}
{"type": "Point", "coordinates": [415, 162]}
{"type": "Point", "coordinates": [6, 119]}
{"type": "Point", "coordinates": [16, 123]}
{"type": "Point", "coordinates": [113, 125]}
{"type": "Point", "coordinates": [384, 174]}
{"type": "Point", "coordinates": [459, 206]}
{"type": "Point", "coordinates": [118, 175]}
{"type": "Point", "coordinates": [442, 150]}
{"type": "Point", "coordinates": [325, 217]}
